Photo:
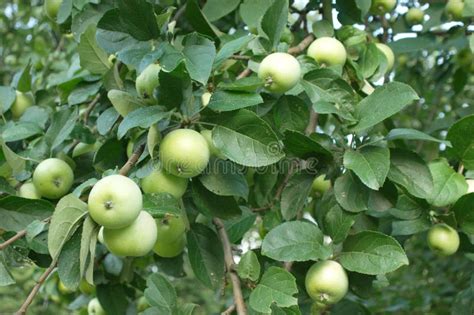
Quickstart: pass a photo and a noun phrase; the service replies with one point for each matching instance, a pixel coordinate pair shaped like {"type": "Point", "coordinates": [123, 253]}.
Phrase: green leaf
{"type": "Point", "coordinates": [206, 255]}
{"type": "Point", "coordinates": [5, 275]}
{"type": "Point", "coordinates": [231, 100]}
{"type": "Point", "coordinates": [113, 299]}
{"type": "Point", "coordinates": [372, 253]}
{"type": "Point", "coordinates": [409, 227]}
{"type": "Point", "coordinates": [16, 162]}
{"type": "Point", "coordinates": [92, 57]}
{"type": "Point", "coordinates": [334, 221]}
{"type": "Point", "coordinates": [224, 179]}
{"type": "Point", "coordinates": [160, 205]}
{"type": "Point", "coordinates": [17, 213]}
{"type": "Point", "coordinates": [230, 48]}
{"type": "Point", "coordinates": [69, 212]}
{"type": "Point", "coordinates": [249, 267]}
{"type": "Point", "coordinates": [62, 124]}
{"type": "Point", "coordinates": [213, 205]}
{"type": "Point", "coordinates": [124, 102]}
{"type": "Point", "coordinates": [252, 11]}
{"type": "Point", "coordinates": [87, 249]}
{"type": "Point", "coordinates": [448, 185]}
{"type": "Point", "coordinates": [133, 17]}
{"type": "Point", "coordinates": [463, 145]}
{"type": "Point", "coordinates": [7, 97]}
{"type": "Point", "coordinates": [198, 20]}
{"type": "Point", "coordinates": [412, 134]}
{"type": "Point", "coordinates": [216, 9]}
{"type": "Point", "coordinates": [199, 53]}
{"type": "Point", "coordinates": [275, 20]}
{"type": "Point", "coordinates": [464, 211]}
{"type": "Point", "coordinates": [21, 130]}
{"type": "Point", "coordinates": [410, 171]}
{"type": "Point", "coordinates": [238, 226]}
{"type": "Point", "coordinates": [142, 117]}
{"type": "Point", "coordinates": [305, 147]}
{"type": "Point", "coordinates": [69, 262]}
{"type": "Point", "coordinates": [350, 193]}
{"type": "Point", "coordinates": [384, 102]}
{"type": "Point", "coordinates": [368, 60]}
{"type": "Point", "coordinates": [295, 193]}
{"type": "Point", "coordinates": [106, 120]}
{"type": "Point", "coordinates": [291, 113]}
{"type": "Point", "coordinates": [247, 140]}
{"type": "Point", "coordinates": [370, 163]}
{"type": "Point", "coordinates": [295, 241]}
{"type": "Point", "coordinates": [22, 80]}
{"type": "Point", "coordinates": [276, 286]}
{"type": "Point", "coordinates": [323, 28]}
{"type": "Point", "coordinates": [83, 92]}
{"type": "Point", "coordinates": [161, 294]}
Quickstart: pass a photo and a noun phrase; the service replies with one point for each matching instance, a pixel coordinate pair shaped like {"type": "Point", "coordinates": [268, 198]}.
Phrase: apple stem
{"type": "Point", "coordinates": [108, 205]}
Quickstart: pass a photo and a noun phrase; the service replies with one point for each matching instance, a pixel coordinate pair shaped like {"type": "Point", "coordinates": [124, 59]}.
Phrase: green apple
{"type": "Point", "coordinates": [22, 102]}
{"type": "Point", "coordinates": [171, 238]}
{"type": "Point", "coordinates": [207, 134]}
{"type": "Point", "coordinates": [470, 186]}
{"type": "Point", "coordinates": [28, 190]}
{"type": "Point", "coordinates": [147, 81]}
{"type": "Point", "coordinates": [86, 288]}
{"type": "Point", "coordinates": [320, 185]}
{"type": "Point", "coordinates": [130, 145]}
{"type": "Point", "coordinates": [51, 8]}
{"type": "Point", "coordinates": [184, 153]}
{"type": "Point", "coordinates": [443, 239]}
{"type": "Point", "coordinates": [172, 248]}
{"type": "Point", "coordinates": [205, 98]}
{"type": "Point", "coordinates": [115, 201]}
{"type": "Point", "coordinates": [327, 51]}
{"type": "Point", "coordinates": [53, 178]}
{"type": "Point", "coordinates": [415, 16]}
{"type": "Point", "coordinates": [94, 308]}
{"type": "Point", "coordinates": [287, 36]}
{"type": "Point", "coordinates": [388, 53]}
{"type": "Point", "coordinates": [142, 304]}
{"type": "Point", "coordinates": [326, 282]}
{"type": "Point", "coordinates": [63, 289]}
{"type": "Point", "coordinates": [159, 181]}
{"type": "Point", "coordinates": [84, 148]}
{"type": "Point", "coordinates": [381, 7]}
{"type": "Point", "coordinates": [136, 239]}
{"type": "Point", "coordinates": [281, 72]}
{"type": "Point", "coordinates": [454, 9]}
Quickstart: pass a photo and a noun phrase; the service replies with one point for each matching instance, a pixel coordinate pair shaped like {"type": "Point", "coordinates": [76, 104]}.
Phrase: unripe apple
{"type": "Point", "coordinates": [51, 8]}
{"type": "Point", "coordinates": [147, 81]}
{"type": "Point", "coordinates": [327, 51]}
{"type": "Point", "coordinates": [142, 304]}
{"type": "Point", "coordinates": [53, 178]}
{"type": "Point", "coordinates": [415, 16]}
{"type": "Point", "coordinates": [94, 308]}
{"type": "Point", "coordinates": [63, 289]}
{"type": "Point", "coordinates": [281, 72]}
{"type": "Point", "coordinates": [136, 239]}
{"type": "Point", "coordinates": [115, 201]}
{"type": "Point", "coordinates": [100, 235]}
{"type": "Point", "coordinates": [83, 148]}
{"type": "Point", "coordinates": [381, 7]}
{"type": "Point", "coordinates": [184, 153]}
{"type": "Point", "coordinates": [454, 9]}
{"type": "Point", "coordinates": [205, 98]}
{"type": "Point", "coordinates": [470, 186]}
{"type": "Point", "coordinates": [320, 185]}
{"type": "Point", "coordinates": [326, 282]}
{"type": "Point", "coordinates": [159, 181]}
{"type": "Point", "coordinates": [28, 190]}
{"type": "Point", "coordinates": [172, 248]}
{"type": "Point", "coordinates": [22, 102]}
{"type": "Point", "coordinates": [207, 134]}
{"type": "Point", "coordinates": [443, 239]}
{"type": "Point", "coordinates": [387, 51]}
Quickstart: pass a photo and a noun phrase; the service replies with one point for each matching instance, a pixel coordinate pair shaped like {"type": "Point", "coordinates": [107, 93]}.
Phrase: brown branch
{"type": "Point", "coordinates": [132, 160]}
{"type": "Point", "coordinates": [229, 262]}
{"type": "Point", "coordinates": [302, 45]}
{"type": "Point", "coordinates": [229, 310]}
{"type": "Point", "coordinates": [244, 74]}
{"type": "Point", "coordinates": [90, 107]}
{"type": "Point", "coordinates": [240, 57]}
{"type": "Point", "coordinates": [17, 236]}
{"type": "Point", "coordinates": [34, 291]}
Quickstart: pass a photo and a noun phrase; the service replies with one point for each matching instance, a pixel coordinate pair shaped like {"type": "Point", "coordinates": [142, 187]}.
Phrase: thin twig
{"type": "Point", "coordinates": [90, 107]}
{"type": "Point", "coordinates": [229, 262]}
{"type": "Point", "coordinates": [229, 310]}
{"type": "Point", "coordinates": [244, 73]}
{"type": "Point", "coordinates": [17, 236]}
{"type": "Point", "coordinates": [240, 57]}
{"type": "Point", "coordinates": [461, 168]}
{"type": "Point", "coordinates": [302, 45]}
{"type": "Point", "coordinates": [132, 160]}
{"type": "Point", "coordinates": [34, 291]}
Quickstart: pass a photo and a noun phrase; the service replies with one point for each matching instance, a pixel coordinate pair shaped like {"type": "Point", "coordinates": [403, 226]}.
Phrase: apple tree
{"type": "Point", "coordinates": [236, 157]}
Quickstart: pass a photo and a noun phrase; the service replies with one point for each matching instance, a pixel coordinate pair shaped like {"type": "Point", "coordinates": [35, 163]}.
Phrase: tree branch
{"type": "Point", "coordinates": [90, 107]}
{"type": "Point", "coordinates": [229, 262]}
{"type": "Point", "coordinates": [132, 160]}
{"type": "Point", "coordinates": [17, 236]}
{"type": "Point", "coordinates": [34, 291]}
